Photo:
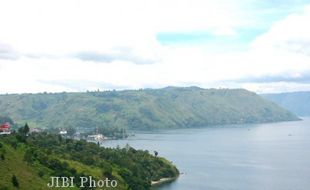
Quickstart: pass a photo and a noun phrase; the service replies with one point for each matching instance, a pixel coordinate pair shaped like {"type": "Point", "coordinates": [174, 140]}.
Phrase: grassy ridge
{"type": "Point", "coordinates": [170, 107]}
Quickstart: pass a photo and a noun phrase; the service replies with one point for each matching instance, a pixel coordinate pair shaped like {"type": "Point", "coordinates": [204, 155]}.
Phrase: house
{"type": "Point", "coordinates": [5, 129]}
{"type": "Point", "coordinates": [63, 132]}
{"type": "Point", "coordinates": [35, 130]}
{"type": "Point", "coordinates": [76, 135]}
{"type": "Point", "coordinates": [97, 137]}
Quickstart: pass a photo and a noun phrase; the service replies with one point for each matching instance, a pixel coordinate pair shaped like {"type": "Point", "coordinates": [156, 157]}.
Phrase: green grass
{"type": "Point", "coordinates": [13, 164]}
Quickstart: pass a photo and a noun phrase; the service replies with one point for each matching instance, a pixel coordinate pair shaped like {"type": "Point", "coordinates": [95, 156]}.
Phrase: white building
{"type": "Point", "coordinates": [97, 137]}
{"type": "Point", "coordinates": [63, 132]}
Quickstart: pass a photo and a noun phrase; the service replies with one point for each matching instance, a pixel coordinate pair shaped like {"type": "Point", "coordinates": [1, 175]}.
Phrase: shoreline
{"type": "Point", "coordinates": [163, 181]}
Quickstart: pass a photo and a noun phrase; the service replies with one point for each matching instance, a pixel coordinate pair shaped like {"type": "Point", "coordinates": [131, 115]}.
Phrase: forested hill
{"type": "Point", "coordinates": [170, 107]}
{"type": "Point", "coordinates": [28, 161]}
{"type": "Point", "coordinates": [296, 102]}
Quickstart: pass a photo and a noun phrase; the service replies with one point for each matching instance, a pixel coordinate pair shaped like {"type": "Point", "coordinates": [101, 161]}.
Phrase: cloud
{"type": "Point", "coordinates": [81, 85]}
{"type": "Point", "coordinates": [123, 55]}
{"type": "Point", "coordinates": [7, 52]}
{"type": "Point", "coordinates": [293, 78]}
{"type": "Point", "coordinates": [97, 25]}
{"type": "Point", "coordinates": [276, 87]}
{"type": "Point", "coordinates": [236, 44]}
{"type": "Point", "coordinates": [94, 56]}
{"type": "Point", "coordinates": [281, 56]}
{"type": "Point", "coordinates": [289, 34]}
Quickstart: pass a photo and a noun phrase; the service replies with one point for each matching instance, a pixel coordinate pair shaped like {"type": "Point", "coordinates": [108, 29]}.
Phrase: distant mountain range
{"type": "Point", "coordinates": [171, 107]}
{"type": "Point", "coordinates": [296, 102]}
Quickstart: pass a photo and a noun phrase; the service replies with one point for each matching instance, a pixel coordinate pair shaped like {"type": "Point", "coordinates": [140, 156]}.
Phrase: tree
{"type": "Point", "coordinates": [155, 153]}
{"type": "Point", "coordinates": [28, 156]}
{"type": "Point", "coordinates": [71, 131]}
{"type": "Point", "coordinates": [26, 128]}
{"type": "Point", "coordinates": [15, 181]}
{"type": "Point", "coordinates": [106, 169]}
{"type": "Point", "coordinates": [41, 173]}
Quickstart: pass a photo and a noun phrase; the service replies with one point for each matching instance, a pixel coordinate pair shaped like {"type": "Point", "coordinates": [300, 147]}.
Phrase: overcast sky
{"type": "Point", "coordinates": [79, 45]}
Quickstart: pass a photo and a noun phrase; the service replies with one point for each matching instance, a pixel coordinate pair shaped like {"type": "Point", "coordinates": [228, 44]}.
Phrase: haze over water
{"type": "Point", "coordinates": [274, 156]}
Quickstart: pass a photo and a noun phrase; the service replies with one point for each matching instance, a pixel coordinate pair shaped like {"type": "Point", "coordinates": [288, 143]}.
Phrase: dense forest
{"type": "Point", "coordinates": [296, 102]}
{"type": "Point", "coordinates": [27, 161]}
{"type": "Point", "coordinates": [170, 107]}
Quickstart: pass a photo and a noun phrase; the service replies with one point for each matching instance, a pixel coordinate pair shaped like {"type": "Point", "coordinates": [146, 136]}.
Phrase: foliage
{"type": "Point", "coordinates": [24, 130]}
{"type": "Point", "coordinates": [15, 181]}
{"type": "Point", "coordinates": [48, 155]}
{"type": "Point", "coordinates": [169, 107]}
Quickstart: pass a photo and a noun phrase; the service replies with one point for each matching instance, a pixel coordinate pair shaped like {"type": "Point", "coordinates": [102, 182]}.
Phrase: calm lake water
{"type": "Point", "coordinates": [241, 157]}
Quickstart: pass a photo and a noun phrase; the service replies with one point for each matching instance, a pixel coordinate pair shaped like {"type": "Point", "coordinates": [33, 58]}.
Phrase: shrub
{"type": "Point", "coordinates": [41, 173]}
{"type": "Point", "coordinates": [15, 181]}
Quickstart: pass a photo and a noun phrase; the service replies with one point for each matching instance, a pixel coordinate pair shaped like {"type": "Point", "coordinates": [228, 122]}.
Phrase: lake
{"type": "Point", "coordinates": [273, 156]}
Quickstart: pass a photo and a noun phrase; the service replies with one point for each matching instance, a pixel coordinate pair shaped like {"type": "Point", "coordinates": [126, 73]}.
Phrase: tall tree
{"type": "Point", "coordinates": [26, 128]}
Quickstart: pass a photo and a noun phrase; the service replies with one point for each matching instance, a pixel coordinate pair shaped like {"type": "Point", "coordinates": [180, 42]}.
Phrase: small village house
{"type": "Point", "coordinates": [5, 129]}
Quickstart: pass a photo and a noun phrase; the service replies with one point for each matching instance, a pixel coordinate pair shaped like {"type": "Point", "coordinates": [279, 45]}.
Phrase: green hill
{"type": "Point", "coordinates": [296, 102]}
{"type": "Point", "coordinates": [170, 107]}
{"type": "Point", "coordinates": [33, 159]}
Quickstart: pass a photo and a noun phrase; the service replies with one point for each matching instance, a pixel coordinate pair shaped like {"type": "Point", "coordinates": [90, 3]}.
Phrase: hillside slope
{"type": "Point", "coordinates": [169, 107]}
{"type": "Point", "coordinates": [296, 102]}
{"type": "Point", "coordinates": [34, 158]}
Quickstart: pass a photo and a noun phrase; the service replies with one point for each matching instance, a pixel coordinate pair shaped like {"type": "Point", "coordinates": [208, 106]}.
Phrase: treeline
{"type": "Point", "coordinates": [169, 107]}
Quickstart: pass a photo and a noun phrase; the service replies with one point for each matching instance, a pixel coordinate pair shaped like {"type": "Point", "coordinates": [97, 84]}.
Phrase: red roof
{"type": "Point", "coordinates": [5, 126]}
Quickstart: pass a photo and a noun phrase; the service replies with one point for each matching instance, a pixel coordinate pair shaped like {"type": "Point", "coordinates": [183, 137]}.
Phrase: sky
{"type": "Point", "coordinates": [80, 45]}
